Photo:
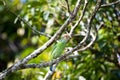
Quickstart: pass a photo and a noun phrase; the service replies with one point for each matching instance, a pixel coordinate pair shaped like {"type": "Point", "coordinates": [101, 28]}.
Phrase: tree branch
{"type": "Point", "coordinates": [80, 18]}
{"type": "Point", "coordinates": [68, 7]}
{"type": "Point", "coordinates": [74, 13]}
{"type": "Point", "coordinates": [89, 26]}
{"type": "Point", "coordinates": [110, 4]}
{"type": "Point", "coordinates": [46, 64]}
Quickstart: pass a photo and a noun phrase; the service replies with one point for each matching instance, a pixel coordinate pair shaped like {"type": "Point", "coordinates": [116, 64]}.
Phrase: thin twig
{"type": "Point", "coordinates": [33, 29]}
{"type": "Point", "coordinates": [74, 13]}
{"type": "Point", "coordinates": [80, 18]}
{"type": "Point", "coordinates": [90, 21]}
{"type": "Point", "coordinates": [94, 36]}
{"type": "Point", "coordinates": [25, 22]}
{"type": "Point", "coordinates": [110, 4]}
{"type": "Point", "coordinates": [68, 7]}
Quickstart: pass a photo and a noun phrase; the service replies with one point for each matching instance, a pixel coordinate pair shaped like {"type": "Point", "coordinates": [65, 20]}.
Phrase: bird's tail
{"type": "Point", "coordinates": [51, 68]}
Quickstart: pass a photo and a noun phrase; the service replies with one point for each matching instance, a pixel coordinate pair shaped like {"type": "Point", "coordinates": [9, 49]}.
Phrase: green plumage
{"type": "Point", "coordinates": [58, 49]}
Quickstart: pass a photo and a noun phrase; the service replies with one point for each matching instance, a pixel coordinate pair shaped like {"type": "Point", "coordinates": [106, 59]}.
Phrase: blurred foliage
{"type": "Point", "coordinates": [17, 40]}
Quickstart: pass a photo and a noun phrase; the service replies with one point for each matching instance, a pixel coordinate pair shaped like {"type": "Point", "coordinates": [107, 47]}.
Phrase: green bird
{"type": "Point", "coordinates": [59, 48]}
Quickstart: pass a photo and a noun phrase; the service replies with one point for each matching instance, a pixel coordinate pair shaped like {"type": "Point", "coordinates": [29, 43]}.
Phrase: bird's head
{"type": "Point", "coordinates": [66, 37]}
